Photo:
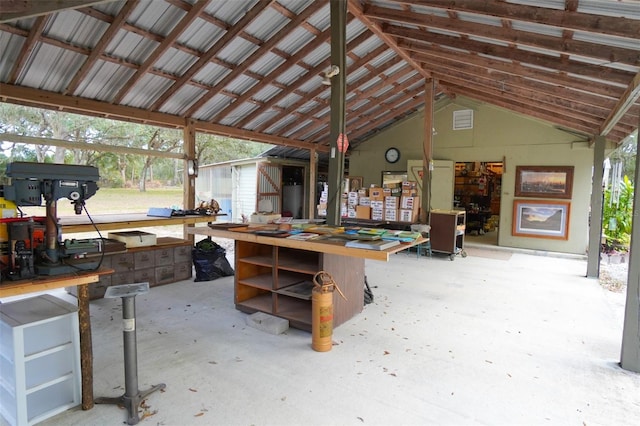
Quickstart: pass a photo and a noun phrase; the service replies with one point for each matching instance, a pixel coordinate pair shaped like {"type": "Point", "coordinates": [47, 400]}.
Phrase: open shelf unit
{"type": "Point", "coordinates": [277, 280]}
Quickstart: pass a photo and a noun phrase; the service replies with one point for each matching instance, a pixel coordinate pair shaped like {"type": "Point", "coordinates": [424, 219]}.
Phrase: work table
{"type": "Point", "coordinates": [275, 275]}
{"type": "Point", "coordinates": [115, 221]}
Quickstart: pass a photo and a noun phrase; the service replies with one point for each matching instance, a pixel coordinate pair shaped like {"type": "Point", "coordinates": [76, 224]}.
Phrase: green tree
{"type": "Point", "coordinates": [617, 215]}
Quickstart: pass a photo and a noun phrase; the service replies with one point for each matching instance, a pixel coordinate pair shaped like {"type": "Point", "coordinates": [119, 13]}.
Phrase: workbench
{"type": "Point", "coordinates": [275, 275]}
{"type": "Point", "coordinates": [116, 221]}
{"type": "Point", "coordinates": [81, 280]}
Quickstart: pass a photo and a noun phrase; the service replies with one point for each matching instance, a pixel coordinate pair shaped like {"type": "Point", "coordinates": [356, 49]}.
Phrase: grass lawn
{"type": "Point", "coordinates": [124, 200]}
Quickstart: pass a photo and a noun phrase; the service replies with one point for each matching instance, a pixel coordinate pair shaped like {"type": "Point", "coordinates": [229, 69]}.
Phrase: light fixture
{"type": "Point", "coordinates": [192, 167]}
{"type": "Point", "coordinates": [333, 71]}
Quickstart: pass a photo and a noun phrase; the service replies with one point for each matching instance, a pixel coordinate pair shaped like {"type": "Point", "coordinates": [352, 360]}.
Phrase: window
{"type": "Point", "coordinates": [463, 119]}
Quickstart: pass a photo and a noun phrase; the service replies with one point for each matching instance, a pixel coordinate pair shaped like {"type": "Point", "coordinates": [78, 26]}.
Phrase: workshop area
{"type": "Point", "coordinates": [500, 337]}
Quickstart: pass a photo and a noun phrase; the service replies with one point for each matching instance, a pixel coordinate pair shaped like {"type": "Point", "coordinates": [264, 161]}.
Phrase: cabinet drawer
{"type": "Point", "coordinates": [164, 257]}
{"type": "Point", "coordinates": [144, 259]}
{"type": "Point", "coordinates": [183, 270]}
{"type": "Point", "coordinates": [182, 254]}
{"type": "Point", "coordinates": [49, 334]}
{"type": "Point", "coordinates": [145, 275]}
{"type": "Point", "coordinates": [53, 365]}
{"type": "Point", "coordinates": [122, 262]}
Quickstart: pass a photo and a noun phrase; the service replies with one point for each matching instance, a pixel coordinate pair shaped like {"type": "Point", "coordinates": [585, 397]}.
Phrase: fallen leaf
{"type": "Point", "coordinates": [386, 352]}
{"type": "Point", "coordinates": [193, 390]}
{"type": "Point", "coordinates": [199, 414]}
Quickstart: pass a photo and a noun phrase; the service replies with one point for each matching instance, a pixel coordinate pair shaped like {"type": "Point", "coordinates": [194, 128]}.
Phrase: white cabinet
{"type": "Point", "coordinates": [39, 359]}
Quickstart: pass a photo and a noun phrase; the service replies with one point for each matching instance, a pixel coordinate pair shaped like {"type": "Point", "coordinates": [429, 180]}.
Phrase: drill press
{"type": "Point", "coordinates": [33, 182]}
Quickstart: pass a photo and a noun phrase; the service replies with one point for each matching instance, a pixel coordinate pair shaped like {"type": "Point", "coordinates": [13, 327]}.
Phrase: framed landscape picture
{"type": "Point", "coordinates": [544, 181]}
{"type": "Point", "coordinates": [541, 219]}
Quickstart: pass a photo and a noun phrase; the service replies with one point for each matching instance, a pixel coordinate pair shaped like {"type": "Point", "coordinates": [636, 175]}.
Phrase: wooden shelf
{"type": "Point", "coordinates": [297, 311]}
{"type": "Point", "coordinates": [264, 282]}
{"type": "Point", "coordinates": [285, 278]}
{"type": "Point", "coordinates": [261, 303]}
{"type": "Point", "coordinates": [258, 260]}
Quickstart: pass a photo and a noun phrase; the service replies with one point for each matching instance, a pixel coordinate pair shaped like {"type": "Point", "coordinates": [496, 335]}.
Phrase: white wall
{"type": "Point", "coordinates": [498, 135]}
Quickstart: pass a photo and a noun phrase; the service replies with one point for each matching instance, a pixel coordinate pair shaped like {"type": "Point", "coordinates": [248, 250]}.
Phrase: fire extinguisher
{"type": "Point", "coordinates": [322, 311]}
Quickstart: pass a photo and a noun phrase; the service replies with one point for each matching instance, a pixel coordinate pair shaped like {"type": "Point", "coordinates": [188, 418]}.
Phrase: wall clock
{"type": "Point", "coordinates": [392, 155]}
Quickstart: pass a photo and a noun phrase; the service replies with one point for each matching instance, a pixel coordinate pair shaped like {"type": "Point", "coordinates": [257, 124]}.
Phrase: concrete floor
{"type": "Point", "coordinates": [490, 339]}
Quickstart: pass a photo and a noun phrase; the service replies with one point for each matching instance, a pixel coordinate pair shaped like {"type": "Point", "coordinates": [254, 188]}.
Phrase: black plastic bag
{"type": "Point", "coordinates": [210, 261]}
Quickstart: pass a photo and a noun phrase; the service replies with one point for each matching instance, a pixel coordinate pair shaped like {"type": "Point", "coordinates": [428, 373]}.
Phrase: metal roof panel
{"type": "Point", "coordinates": [236, 51]}
{"type": "Point", "coordinates": [75, 28]}
{"type": "Point", "coordinates": [229, 11]}
{"type": "Point", "coordinates": [200, 35]}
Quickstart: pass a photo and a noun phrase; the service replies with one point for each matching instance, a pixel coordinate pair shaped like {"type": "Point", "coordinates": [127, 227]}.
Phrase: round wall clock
{"type": "Point", "coordinates": [392, 155]}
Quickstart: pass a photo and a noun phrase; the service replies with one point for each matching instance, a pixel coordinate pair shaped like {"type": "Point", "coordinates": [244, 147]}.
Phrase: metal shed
{"type": "Point", "coordinates": [238, 186]}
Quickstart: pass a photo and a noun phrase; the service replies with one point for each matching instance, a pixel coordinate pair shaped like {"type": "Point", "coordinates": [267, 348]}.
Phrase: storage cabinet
{"type": "Point", "coordinates": [447, 232]}
{"type": "Point", "coordinates": [166, 262]}
{"type": "Point", "coordinates": [278, 281]}
{"type": "Point", "coordinates": [40, 359]}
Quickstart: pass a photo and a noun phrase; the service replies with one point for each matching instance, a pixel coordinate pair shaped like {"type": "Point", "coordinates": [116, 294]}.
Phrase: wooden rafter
{"type": "Point", "coordinates": [602, 53]}
{"type": "Point", "coordinates": [569, 18]}
{"type": "Point", "coordinates": [27, 48]}
{"type": "Point", "coordinates": [206, 57]}
{"type": "Point", "coordinates": [99, 48]}
{"type": "Point", "coordinates": [169, 41]}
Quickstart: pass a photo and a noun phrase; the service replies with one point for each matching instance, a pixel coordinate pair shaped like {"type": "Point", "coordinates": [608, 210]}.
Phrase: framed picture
{"type": "Point", "coordinates": [544, 181]}
{"type": "Point", "coordinates": [541, 219]}
{"type": "Point", "coordinates": [355, 183]}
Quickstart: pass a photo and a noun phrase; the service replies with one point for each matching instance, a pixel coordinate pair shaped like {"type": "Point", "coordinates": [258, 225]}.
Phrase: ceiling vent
{"type": "Point", "coordinates": [463, 119]}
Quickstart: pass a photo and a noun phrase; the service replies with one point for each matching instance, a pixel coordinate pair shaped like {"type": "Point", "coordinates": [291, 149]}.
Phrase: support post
{"type": "Point", "coordinates": [427, 150]}
{"type": "Point", "coordinates": [86, 348]}
{"type": "Point", "coordinates": [630, 353]}
{"type": "Point", "coordinates": [338, 13]}
{"type": "Point", "coordinates": [313, 178]}
{"type": "Point", "coordinates": [595, 220]}
{"type": "Point", "coordinates": [189, 196]}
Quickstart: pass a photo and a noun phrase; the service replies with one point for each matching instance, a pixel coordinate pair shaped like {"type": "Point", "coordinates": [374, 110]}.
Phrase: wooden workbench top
{"type": "Point", "coordinates": [115, 221]}
{"type": "Point", "coordinates": [317, 245]}
{"type": "Point", "coordinates": [44, 283]}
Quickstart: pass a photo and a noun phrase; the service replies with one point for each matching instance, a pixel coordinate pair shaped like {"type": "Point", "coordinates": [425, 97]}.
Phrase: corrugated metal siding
{"type": "Point", "coordinates": [244, 191]}
{"type": "Point", "coordinates": [216, 182]}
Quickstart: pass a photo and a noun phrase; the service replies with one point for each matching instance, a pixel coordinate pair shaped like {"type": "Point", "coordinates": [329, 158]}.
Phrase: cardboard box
{"type": "Point", "coordinates": [364, 201]}
{"type": "Point", "coordinates": [363, 212]}
{"type": "Point", "coordinates": [375, 193]}
{"type": "Point", "coordinates": [363, 192]}
{"type": "Point", "coordinates": [351, 212]}
{"type": "Point", "coordinates": [386, 192]}
{"type": "Point", "coordinates": [377, 214]}
{"type": "Point", "coordinates": [410, 188]}
{"type": "Point", "coordinates": [391, 202]}
{"type": "Point", "coordinates": [410, 203]}
{"type": "Point", "coordinates": [405, 215]}
{"type": "Point", "coordinates": [377, 205]}
{"type": "Point", "coordinates": [391, 214]}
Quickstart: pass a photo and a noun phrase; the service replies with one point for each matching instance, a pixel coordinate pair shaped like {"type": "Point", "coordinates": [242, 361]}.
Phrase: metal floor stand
{"type": "Point", "coordinates": [132, 397]}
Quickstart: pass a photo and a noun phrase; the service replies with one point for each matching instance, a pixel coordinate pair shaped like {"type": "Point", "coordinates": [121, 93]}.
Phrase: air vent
{"type": "Point", "coordinates": [463, 119]}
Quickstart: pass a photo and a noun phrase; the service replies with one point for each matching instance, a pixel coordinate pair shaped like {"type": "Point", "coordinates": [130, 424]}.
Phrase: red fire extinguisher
{"type": "Point", "coordinates": [322, 311]}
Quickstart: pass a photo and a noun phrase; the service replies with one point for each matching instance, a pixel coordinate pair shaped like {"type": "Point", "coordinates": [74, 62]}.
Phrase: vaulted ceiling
{"type": "Point", "coordinates": [253, 69]}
